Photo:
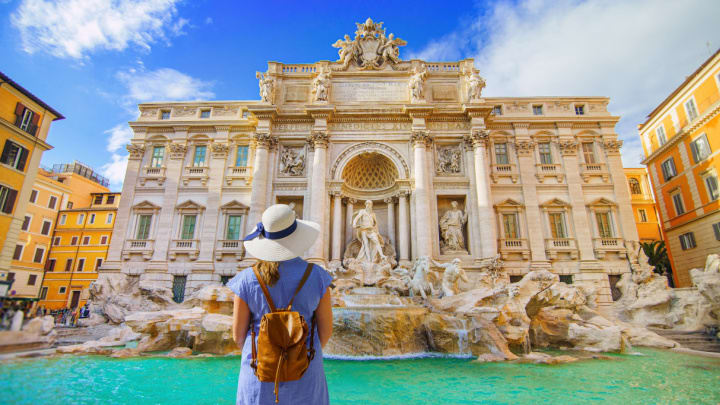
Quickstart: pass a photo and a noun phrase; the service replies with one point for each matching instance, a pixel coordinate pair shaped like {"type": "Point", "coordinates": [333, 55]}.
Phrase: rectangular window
{"type": "Point", "coordinates": [32, 279]}
{"type": "Point", "coordinates": [165, 115]}
{"type": "Point", "coordinates": [69, 205]}
{"type": "Point", "coordinates": [68, 265]}
{"type": "Point", "coordinates": [566, 278]}
{"type": "Point", "coordinates": [579, 110]}
{"type": "Point", "coordinates": [604, 225]}
{"type": "Point", "coordinates": [143, 228]}
{"type": "Point", "coordinates": [28, 120]}
{"type": "Point", "coordinates": [711, 183]}
{"type": "Point", "coordinates": [98, 263]}
{"type": "Point", "coordinates": [26, 223]}
{"type": "Point", "coordinates": [668, 169]}
{"type": "Point", "coordinates": [46, 227]}
{"type": "Point", "coordinates": [510, 225]}
{"type": "Point", "coordinates": [642, 214]}
{"type": "Point", "coordinates": [63, 219]}
{"type": "Point", "coordinates": [233, 227]}
{"type": "Point", "coordinates": [56, 241]}
{"type": "Point", "coordinates": [178, 288]}
{"type": "Point", "coordinates": [86, 240]}
{"type": "Point", "coordinates": [62, 290]}
{"type": "Point", "coordinates": [109, 218]}
{"type": "Point", "coordinates": [204, 113]}
{"type": "Point", "coordinates": [14, 155]}
{"type": "Point", "coordinates": [52, 202]}
{"type": "Point", "coordinates": [241, 159]}
{"type": "Point", "coordinates": [10, 276]}
{"type": "Point", "coordinates": [39, 255]}
{"type": "Point", "coordinates": [545, 153]}
{"type": "Point", "coordinates": [537, 110]}
{"type": "Point", "coordinates": [81, 264]}
{"type": "Point", "coordinates": [50, 265]}
{"type": "Point", "coordinates": [73, 240]}
{"type": "Point", "coordinates": [687, 241]}
{"type": "Point", "coordinates": [17, 254]}
{"type": "Point", "coordinates": [188, 227]}
{"type": "Point", "coordinates": [716, 230]}
{"type": "Point", "coordinates": [98, 199]}
{"type": "Point", "coordinates": [43, 293]}
{"type": "Point", "coordinates": [501, 155]}
{"type": "Point", "coordinates": [700, 148]}
{"type": "Point", "coordinates": [588, 152]}
{"type": "Point", "coordinates": [557, 225]}
{"type": "Point", "coordinates": [497, 110]}
{"type": "Point", "coordinates": [661, 138]}
{"type": "Point", "coordinates": [199, 158]}
{"type": "Point", "coordinates": [92, 218]}
{"type": "Point", "coordinates": [7, 199]}
{"type": "Point", "coordinates": [103, 240]}
{"type": "Point", "coordinates": [110, 199]}
{"type": "Point", "coordinates": [691, 110]}
{"type": "Point", "coordinates": [158, 156]}
{"type": "Point", "coordinates": [678, 202]}
{"type": "Point", "coordinates": [33, 196]}
{"type": "Point", "coordinates": [80, 219]}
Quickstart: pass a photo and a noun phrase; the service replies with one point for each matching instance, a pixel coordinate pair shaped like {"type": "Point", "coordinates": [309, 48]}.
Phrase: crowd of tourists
{"type": "Point", "coordinates": [14, 314]}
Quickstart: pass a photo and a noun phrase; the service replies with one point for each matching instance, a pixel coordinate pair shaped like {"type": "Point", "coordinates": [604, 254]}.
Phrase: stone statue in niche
{"type": "Point", "coordinates": [453, 272]}
{"type": "Point", "coordinates": [267, 87]}
{"type": "Point", "coordinates": [417, 84]}
{"type": "Point", "coordinates": [448, 160]}
{"type": "Point", "coordinates": [476, 84]}
{"type": "Point", "coordinates": [321, 84]}
{"type": "Point", "coordinates": [451, 226]}
{"type": "Point", "coordinates": [292, 162]}
{"type": "Point", "coordinates": [366, 229]}
{"type": "Point", "coordinates": [369, 255]}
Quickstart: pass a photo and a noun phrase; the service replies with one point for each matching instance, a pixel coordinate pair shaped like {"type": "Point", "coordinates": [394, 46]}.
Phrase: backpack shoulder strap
{"type": "Point", "coordinates": [264, 289]}
{"type": "Point", "coordinates": [305, 276]}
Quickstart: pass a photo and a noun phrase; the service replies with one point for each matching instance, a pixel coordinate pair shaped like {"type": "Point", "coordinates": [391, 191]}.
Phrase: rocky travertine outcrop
{"type": "Point", "coordinates": [37, 333]}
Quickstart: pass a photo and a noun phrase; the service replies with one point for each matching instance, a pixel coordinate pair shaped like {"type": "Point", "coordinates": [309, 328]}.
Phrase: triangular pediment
{"type": "Point", "coordinates": [145, 205]}
{"type": "Point", "coordinates": [555, 202]}
{"type": "Point", "coordinates": [602, 201]}
{"type": "Point", "coordinates": [234, 205]}
{"type": "Point", "coordinates": [190, 205]}
{"type": "Point", "coordinates": [509, 203]}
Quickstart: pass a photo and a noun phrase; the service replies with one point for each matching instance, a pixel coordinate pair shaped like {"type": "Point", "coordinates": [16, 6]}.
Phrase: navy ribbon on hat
{"type": "Point", "coordinates": [260, 230]}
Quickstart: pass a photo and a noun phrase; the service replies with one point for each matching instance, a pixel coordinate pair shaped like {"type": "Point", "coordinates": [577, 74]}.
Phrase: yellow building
{"type": "Point", "coordinates": [24, 124]}
{"type": "Point", "coordinates": [47, 197]}
{"type": "Point", "coordinates": [643, 204]}
{"type": "Point", "coordinates": [681, 138]}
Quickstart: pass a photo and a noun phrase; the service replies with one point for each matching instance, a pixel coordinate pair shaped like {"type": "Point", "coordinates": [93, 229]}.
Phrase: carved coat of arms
{"type": "Point", "coordinates": [370, 49]}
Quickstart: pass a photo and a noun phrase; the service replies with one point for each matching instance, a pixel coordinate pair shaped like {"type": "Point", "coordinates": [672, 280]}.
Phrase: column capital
{"type": "Point", "coordinates": [524, 147]}
{"type": "Point", "coordinates": [336, 194]}
{"type": "Point", "coordinates": [389, 200]}
{"type": "Point", "coordinates": [177, 150]}
{"type": "Point", "coordinates": [420, 138]}
{"type": "Point", "coordinates": [317, 139]}
{"type": "Point", "coordinates": [403, 194]}
{"type": "Point", "coordinates": [136, 151]}
{"type": "Point", "coordinates": [568, 148]}
{"type": "Point", "coordinates": [612, 147]}
{"type": "Point", "coordinates": [264, 140]}
{"type": "Point", "coordinates": [350, 200]}
{"type": "Point", "coordinates": [219, 150]}
{"type": "Point", "coordinates": [478, 138]}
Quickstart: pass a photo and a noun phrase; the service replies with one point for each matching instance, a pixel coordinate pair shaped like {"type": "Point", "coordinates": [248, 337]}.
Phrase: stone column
{"type": "Point", "coordinates": [486, 219]}
{"type": "Point", "coordinates": [319, 141]}
{"type": "Point", "coordinates": [420, 140]}
{"type": "Point", "coordinates": [337, 227]}
{"type": "Point", "coordinates": [258, 196]}
{"type": "Point", "coordinates": [403, 231]}
{"type": "Point", "coordinates": [391, 220]}
{"type": "Point", "coordinates": [471, 206]}
{"type": "Point", "coordinates": [348, 220]}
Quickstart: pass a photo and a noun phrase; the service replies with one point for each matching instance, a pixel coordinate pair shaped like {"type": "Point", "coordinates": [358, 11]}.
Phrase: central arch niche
{"type": "Point", "coordinates": [370, 172]}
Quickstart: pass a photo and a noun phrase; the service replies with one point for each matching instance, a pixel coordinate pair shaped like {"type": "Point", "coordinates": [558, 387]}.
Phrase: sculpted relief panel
{"type": "Point", "coordinates": [292, 161]}
{"type": "Point", "coordinates": [448, 160]}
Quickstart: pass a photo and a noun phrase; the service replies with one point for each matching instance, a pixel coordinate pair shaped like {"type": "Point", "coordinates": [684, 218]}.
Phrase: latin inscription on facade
{"type": "Point", "coordinates": [370, 91]}
{"type": "Point", "coordinates": [296, 93]}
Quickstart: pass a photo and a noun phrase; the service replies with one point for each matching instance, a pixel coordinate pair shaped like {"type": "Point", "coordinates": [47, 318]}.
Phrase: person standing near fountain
{"type": "Point", "coordinates": [277, 243]}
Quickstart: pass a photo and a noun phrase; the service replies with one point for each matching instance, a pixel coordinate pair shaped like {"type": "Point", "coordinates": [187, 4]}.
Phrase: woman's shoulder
{"type": "Point", "coordinates": [240, 280]}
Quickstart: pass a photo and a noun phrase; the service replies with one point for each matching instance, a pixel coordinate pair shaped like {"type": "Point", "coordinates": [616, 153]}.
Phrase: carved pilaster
{"type": "Point", "coordinates": [612, 147]}
{"type": "Point", "coordinates": [524, 148]}
{"type": "Point", "coordinates": [136, 151]}
{"type": "Point", "coordinates": [568, 148]}
{"type": "Point", "coordinates": [477, 138]}
{"type": "Point", "coordinates": [219, 150]}
{"type": "Point", "coordinates": [421, 138]}
{"type": "Point", "coordinates": [317, 139]}
{"type": "Point", "coordinates": [177, 151]}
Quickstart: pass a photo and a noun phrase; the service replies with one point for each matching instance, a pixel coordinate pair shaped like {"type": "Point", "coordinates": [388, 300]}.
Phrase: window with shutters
{"type": "Point", "coordinates": [43, 293]}
{"type": "Point", "coordinates": [241, 158]}
{"type": "Point", "coordinates": [92, 218]}
{"type": "Point", "coordinates": [98, 263]}
{"type": "Point", "coordinates": [711, 184]}
{"type": "Point", "coordinates": [588, 152]}
{"type": "Point", "coordinates": [678, 203]}
{"type": "Point", "coordinates": [52, 202]}
{"type": "Point", "coordinates": [109, 218]}
{"type": "Point", "coordinates": [73, 241]}
{"type": "Point", "coordinates": [233, 227]}
{"type": "Point", "coordinates": [110, 199]}
{"type": "Point", "coordinates": [103, 240]}
{"type": "Point", "coordinates": [143, 227]}
{"type": "Point", "coordinates": [50, 265]}
{"type": "Point", "coordinates": [537, 109]}
{"type": "Point", "coordinates": [46, 227]}
{"type": "Point", "coordinates": [642, 214]}
{"type": "Point", "coordinates": [86, 240]}
{"type": "Point", "coordinates": [510, 226]}
{"type": "Point", "coordinates": [7, 199]}
{"type": "Point", "coordinates": [56, 241]}
{"type": "Point", "coordinates": [700, 148]}
{"type": "Point", "coordinates": [26, 223]}
{"type": "Point", "coordinates": [158, 156]}
{"type": "Point", "coordinates": [661, 137]}
{"type": "Point", "coordinates": [545, 153]}
{"type": "Point", "coordinates": [199, 157]}
{"type": "Point", "coordinates": [63, 219]}
{"type": "Point", "coordinates": [691, 110]}
{"type": "Point", "coordinates": [68, 265]}
{"type": "Point", "coordinates": [557, 225]}
{"type": "Point", "coordinates": [33, 196]}
{"type": "Point", "coordinates": [165, 114]}
{"type": "Point", "coordinates": [98, 199]}
{"type": "Point", "coordinates": [39, 255]}
{"type": "Point", "coordinates": [204, 113]}
{"type": "Point", "coordinates": [579, 109]}
{"type": "Point", "coordinates": [716, 230]}
{"type": "Point", "coordinates": [32, 279]}
{"type": "Point", "coordinates": [14, 155]}
{"type": "Point", "coordinates": [501, 155]}
{"type": "Point", "coordinates": [26, 119]}
{"type": "Point", "coordinates": [668, 169]}
{"type": "Point", "coordinates": [687, 241]}
{"type": "Point", "coordinates": [17, 254]}
{"type": "Point", "coordinates": [188, 227]}
{"type": "Point", "coordinates": [604, 224]}
{"type": "Point", "coordinates": [81, 264]}
{"type": "Point", "coordinates": [80, 219]}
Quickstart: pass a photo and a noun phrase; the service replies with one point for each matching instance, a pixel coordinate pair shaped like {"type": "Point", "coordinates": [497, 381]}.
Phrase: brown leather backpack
{"type": "Point", "coordinates": [281, 354]}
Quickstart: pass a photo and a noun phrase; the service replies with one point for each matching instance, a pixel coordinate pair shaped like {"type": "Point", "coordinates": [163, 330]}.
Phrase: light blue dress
{"type": "Point", "coordinates": [312, 387]}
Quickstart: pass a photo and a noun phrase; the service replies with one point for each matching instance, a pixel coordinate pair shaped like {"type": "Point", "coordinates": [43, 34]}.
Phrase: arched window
{"type": "Point", "coordinates": [635, 186]}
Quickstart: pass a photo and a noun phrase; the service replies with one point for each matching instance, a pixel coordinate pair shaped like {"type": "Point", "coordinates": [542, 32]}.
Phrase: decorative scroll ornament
{"type": "Point", "coordinates": [613, 146]}
{"type": "Point", "coordinates": [568, 147]}
{"type": "Point", "coordinates": [292, 162]}
{"type": "Point", "coordinates": [370, 49]}
{"type": "Point", "coordinates": [417, 84]}
{"type": "Point", "coordinates": [475, 86]}
{"type": "Point", "coordinates": [177, 150]}
{"type": "Point", "coordinates": [219, 150]}
{"type": "Point", "coordinates": [267, 87]}
{"type": "Point", "coordinates": [136, 151]}
{"type": "Point", "coordinates": [321, 85]}
{"type": "Point", "coordinates": [524, 148]}
{"type": "Point", "coordinates": [421, 138]}
{"type": "Point", "coordinates": [318, 139]}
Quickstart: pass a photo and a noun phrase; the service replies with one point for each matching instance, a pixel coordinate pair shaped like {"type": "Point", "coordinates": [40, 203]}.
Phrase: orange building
{"type": "Point", "coordinates": [681, 139]}
{"type": "Point", "coordinates": [643, 204]}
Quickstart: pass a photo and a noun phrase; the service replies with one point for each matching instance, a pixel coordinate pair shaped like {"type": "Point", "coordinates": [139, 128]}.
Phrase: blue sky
{"type": "Point", "coordinates": [94, 60]}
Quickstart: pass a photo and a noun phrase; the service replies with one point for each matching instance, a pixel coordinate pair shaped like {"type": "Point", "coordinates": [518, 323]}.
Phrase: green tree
{"type": "Point", "coordinates": [658, 257]}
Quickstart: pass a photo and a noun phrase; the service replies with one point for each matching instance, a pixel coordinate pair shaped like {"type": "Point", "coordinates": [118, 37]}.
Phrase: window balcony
{"type": "Point", "coordinates": [499, 171]}
{"type": "Point", "coordinates": [545, 170]}
{"type": "Point", "coordinates": [153, 173]}
{"type": "Point", "coordinates": [589, 170]}
{"type": "Point", "coordinates": [606, 245]}
{"type": "Point", "coordinates": [240, 173]}
{"type": "Point", "coordinates": [553, 246]}
{"type": "Point", "coordinates": [190, 247]}
{"type": "Point", "coordinates": [199, 173]}
{"type": "Point", "coordinates": [509, 247]}
{"type": "Point", "coordinates": [144, 247]}
{"type": "Point", "coordinates": [229, 247]}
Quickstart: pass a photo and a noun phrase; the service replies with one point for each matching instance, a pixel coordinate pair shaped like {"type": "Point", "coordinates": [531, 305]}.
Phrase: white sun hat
{"type": "Point", "coordinates": [280, 236]}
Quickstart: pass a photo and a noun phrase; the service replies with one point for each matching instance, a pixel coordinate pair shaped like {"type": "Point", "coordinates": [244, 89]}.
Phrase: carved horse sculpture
{"type": "Point", "coordinates": [420, 284]}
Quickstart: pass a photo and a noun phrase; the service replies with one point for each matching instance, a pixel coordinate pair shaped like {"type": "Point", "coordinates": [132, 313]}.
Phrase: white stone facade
{"type": "Point", "coordinates": [534, 175]}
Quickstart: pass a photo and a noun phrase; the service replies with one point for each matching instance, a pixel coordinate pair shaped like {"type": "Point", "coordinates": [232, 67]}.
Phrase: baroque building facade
{"type": "Point", "coordinates": [535, 181]}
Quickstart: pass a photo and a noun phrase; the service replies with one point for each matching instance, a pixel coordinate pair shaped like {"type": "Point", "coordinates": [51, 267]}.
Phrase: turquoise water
{"type": "Point", "coordinates": [659, 377]}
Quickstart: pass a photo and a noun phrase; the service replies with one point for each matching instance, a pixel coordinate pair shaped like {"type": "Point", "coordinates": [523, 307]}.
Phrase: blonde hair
{"type": "Point", "coordinates": [268, 271]}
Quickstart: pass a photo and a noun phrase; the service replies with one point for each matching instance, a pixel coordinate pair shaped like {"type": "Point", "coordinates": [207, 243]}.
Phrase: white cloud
{"type": "Point", "coordinates": [120, 135]}
{"type": "Point", "coordinates": [75, 28]}
{"type": "Point", "coordinates": [208, 20]}
{"type": "Point", "coordinates": [115, 170]}
{"type": "Point", "coordinates": [634, 52]}
{"type": "Point", "coordinates": [163, 84]}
